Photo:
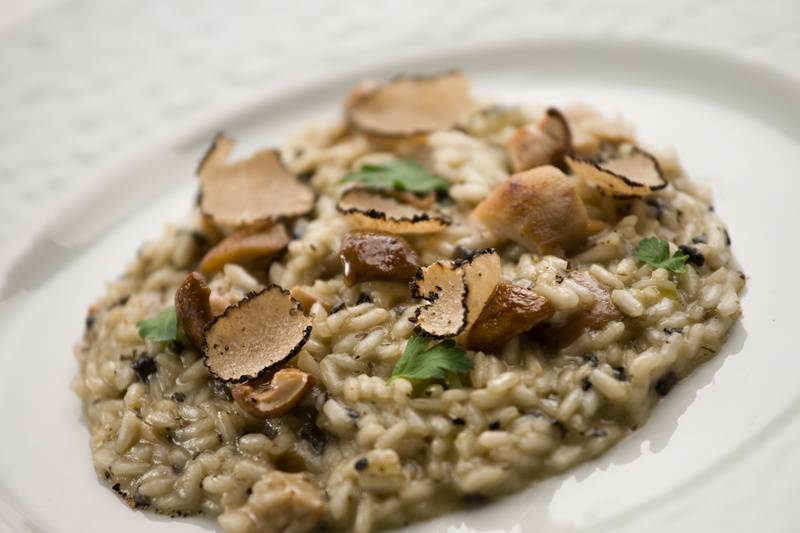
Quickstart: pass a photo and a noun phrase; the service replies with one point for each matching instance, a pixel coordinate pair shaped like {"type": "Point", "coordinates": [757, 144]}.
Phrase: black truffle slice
{"type": "Point", "coordinates": [261, 332]}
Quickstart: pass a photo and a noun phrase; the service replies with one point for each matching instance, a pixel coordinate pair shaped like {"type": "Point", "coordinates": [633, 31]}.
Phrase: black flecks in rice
{"type": "Point", "coordinates": [559, 425]}
{"type": "Point", "coordinates": [657, 205]}
{"type": "Point", "coordinates": [665, 383]}
{"type": "Point", "coordinates": [591, 359]}
{"type": "Point", "coordinates": [559, 279]}
{"type": "Point", "coordinates": [727, 237]}
{"type": "Point", "coordinates": [90, 320]}
{"type": "Point", "coordinates": [458, 421]}
{"type": "Point", "coordinates": [586, 384]}
{"type": "Point", "coordinates": [352, 414]}
{"type": "Point", "coordinates": [116, 487]}
{"type": "Point", "coordinates": [474, 499]}
{"type": "Point", "coordinates": [179, 397]}
{"type": "Point", "coordinates": [696, 257]}
{"type": "Point", "coordinates": [364, 299]}
{"type": "Point", "coordinates": [307, 175]}
{"type": "Point", "coordinates": [140, 501]}
{"type": "Point", "coordinates": [699, 239]}
{"type": "Point", "coordinates": [460, 252]}
{"type": "Point", "coordinates": [596, 433]}
{"type": "Point", "coordinates": [221, 389]}
{"type": "Point", "coordinates": [199, 239]}
{"type": "Point", "coordinates": [495, 425]}
{"type": "Point", "coordinates": [249, 491]}
{"type": "Point", "coordinates": [175, 347]}
{"type": "Point", "coordinates": [361, 464]}
{"type": "Point", "coordinates": [672, 331]}
{"type": "Point", "coordinates": [338, 307]}
{"type": "Point", "coordinates": [144, 366]}
{"type": "Point", "coordinates": [107, 474]}
{"type": "Point", "coordinates": [122, 301]}
{"type": "Point", "coordinates": [310, 432]}
{"type": "Point", "coordinates": [620, 373]}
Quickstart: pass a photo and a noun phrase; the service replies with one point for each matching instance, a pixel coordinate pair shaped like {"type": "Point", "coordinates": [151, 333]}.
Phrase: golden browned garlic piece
{"type": "Point", "coordinates": [274, 397]}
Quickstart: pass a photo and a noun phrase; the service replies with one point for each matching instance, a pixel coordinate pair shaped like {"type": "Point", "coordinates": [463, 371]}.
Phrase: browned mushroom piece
{"type": "Point", "coordinates": [510, 311]}
{"type": "Point", "coordinates": [376, 210]}
{"type": "Point", "coordinates": [249, 191]}
{"type": "Point", "coordinates": [371, 256]}
{"type": "Point", "coordinates": [250, 245]}
{"type": "Point", "coordinates": [593, 317]}
{"type": "Point", "coordinates": [538, 209]}
{"type": "Point", "coordinates": [192, 307]}
{"type": "Point", "coordinates": [633, 173]}
{"type": "Point", "coordinates": [408, 106]}
{"type": "Point", "coordinates": [306, 297]}
{"type": "Point", "coordinates": [545, 143]}
{"type": "Point", "coordinates": [261, 332]}
{"type": "Point", "coordinates": [456, 292]}
{"type": "Point", "coordinates": [272, 396]}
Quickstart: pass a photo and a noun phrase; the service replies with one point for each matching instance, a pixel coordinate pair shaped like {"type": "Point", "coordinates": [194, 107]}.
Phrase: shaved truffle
{"type": "Point", "coordinates": [634, 173]}
{"type": "Point", "coordinates": [253, 190]}
{"type": "Point", "coordinates": [538, 209]}
{"type": "Point", "coordinates": [510, 311]}
{"type": "Point", "coordinates": [545, 143]}
{"type": "Point", "coordinates": [249, 245]}
{"type": "Point", "coordinates": [192, 307]}
{"type": "Point", "coordinates": [408, 106]}
{"type": "Point", "coordinates": [457, 292]}
{"type": "Point", "coordinates": [371, 256]}
{"type": "Point", "coordinates": [261, 332]}
{"type": "Point", "coordinates": [374, 210]}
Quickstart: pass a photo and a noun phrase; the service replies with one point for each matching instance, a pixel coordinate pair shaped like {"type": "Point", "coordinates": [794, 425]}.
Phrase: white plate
{"type": "Point", "coordinates": [735, 126]}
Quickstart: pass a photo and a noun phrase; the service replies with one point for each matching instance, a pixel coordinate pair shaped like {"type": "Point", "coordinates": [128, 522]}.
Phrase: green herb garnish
{"type": "Point", "coordinates": [162, 327]}
{"type": "Point", "coordinates": [655, 252]}
{"type": "Point", "coordinates": [399, 175]}
{"type": "Point", "coordinates": [420, 363]}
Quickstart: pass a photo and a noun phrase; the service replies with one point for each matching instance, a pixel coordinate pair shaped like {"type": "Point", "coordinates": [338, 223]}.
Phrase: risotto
{"type": "Point", "coordinates": [425, 305]}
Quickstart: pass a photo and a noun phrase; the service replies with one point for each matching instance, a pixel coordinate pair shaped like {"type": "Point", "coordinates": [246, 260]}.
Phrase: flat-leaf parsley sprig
{"type": "Point", "coordinates": [420, 363]}
{"type": "Point", "coordinates": [655, 252]}
{"type": "Point", "coordinates": [407, 176]}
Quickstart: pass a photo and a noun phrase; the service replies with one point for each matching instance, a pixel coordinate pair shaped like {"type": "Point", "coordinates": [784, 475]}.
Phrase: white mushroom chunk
{"type": "Point", "coordinates": [538, 209]}
{"type": "Point", "coordinates": [249, 191]}
{"type": "Point", "coordinates": [545, 143]}
{"type": "Point", "coordinates": [408, 106]}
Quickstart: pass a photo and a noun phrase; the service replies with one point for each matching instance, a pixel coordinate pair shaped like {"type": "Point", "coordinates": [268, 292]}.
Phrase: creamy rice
{"type": "Point", "coordinates": [360, 453]}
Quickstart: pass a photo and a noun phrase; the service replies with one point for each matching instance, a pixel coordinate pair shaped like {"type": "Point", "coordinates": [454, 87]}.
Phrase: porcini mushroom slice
{"type": "Point", "coordinates": [408, 106]}
{"type": "Point", "coordinates": [375, 210]}
{"type": "Point", "coordinates": [456, 292]}
{"type": "Point", "coordinates": [635, 173]}
{"type": "Point", "coordinates": [249, 191]}
{"type": "Point", "coordinates": [262, 331]}
{"type": "Point", "coordinates": [545, 143]}
{"type": "Point", "coordinates": [372, 256]}
{"type": "Point", "coordinates": [193, 308]}
{"type": "Point", "coordinates": [246, 246]}
{"type": "Point", "coordinates": [538, 209]}
{"type": "Point", "coordinates": [276, 396]}
{"type": "Point", "coordinates": [510, 311]}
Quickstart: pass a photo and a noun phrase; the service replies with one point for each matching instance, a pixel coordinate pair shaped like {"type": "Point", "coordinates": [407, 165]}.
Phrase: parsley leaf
{"type": "Point", "coordinates": [419, 363]}
{"type": "Point", "coordinates": [400, 175]}
{"type": "Point", "coordinates": [161, 327]}
{"type": "Point", "coordinates": [655, 252]}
